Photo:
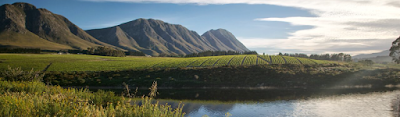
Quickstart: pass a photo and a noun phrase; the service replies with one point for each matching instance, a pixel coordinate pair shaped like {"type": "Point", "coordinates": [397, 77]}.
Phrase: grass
{"type": "Point", "coordinates": [32, 99]}
{"type": "Point", "coordinates": [73, 62]}
{"type": "Point", "coordinates": [28, 40]}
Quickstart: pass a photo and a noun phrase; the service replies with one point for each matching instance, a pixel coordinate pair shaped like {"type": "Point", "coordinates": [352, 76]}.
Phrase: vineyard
{"type": "Point", "coordinates": [73, 62]}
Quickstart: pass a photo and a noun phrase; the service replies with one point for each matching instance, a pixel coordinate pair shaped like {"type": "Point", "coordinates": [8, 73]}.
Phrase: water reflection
{"type": "Point", "coordinates": [342, 103]}
{"type": "Point", "coordinates": [229, 95]}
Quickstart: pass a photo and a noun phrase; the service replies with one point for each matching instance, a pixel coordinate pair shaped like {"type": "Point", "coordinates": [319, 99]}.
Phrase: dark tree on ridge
{"type": "Point", "coordinates": [395, 50]}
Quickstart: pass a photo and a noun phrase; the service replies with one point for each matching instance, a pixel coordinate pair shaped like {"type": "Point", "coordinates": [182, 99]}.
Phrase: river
{"type": "Point", "coordinates": [356, 102]}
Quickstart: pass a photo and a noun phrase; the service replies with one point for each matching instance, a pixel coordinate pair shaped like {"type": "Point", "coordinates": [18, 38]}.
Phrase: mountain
{"type": "Point", "coordinates": [361, 56]}
{"type": "Point", "coordinates": [155, 37]}
{"type": "Point", "coordinates": [380, 57]}
{"type": "Point", "coordinates": [23, 25]}
{"type": "Point", "coordinates": [221, 39]}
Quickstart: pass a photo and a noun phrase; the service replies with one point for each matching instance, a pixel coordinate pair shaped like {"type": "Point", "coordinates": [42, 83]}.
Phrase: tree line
{"type": "Point", "coordinates": [20, 50]}
{"type": "Point", "coordinates": [218, 53]}
{"type": "Point", "coordinates": [107, 51]}
{"type": "Point", "coordinates": [332, 57]}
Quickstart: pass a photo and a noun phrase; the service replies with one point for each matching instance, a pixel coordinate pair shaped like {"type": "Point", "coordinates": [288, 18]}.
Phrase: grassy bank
{"type": "Point", "coordinates": [288, 75]}
{"type": "Point", "coordinates": [230, 71]}
{"type": "Point", "coordinates": [32, 99]}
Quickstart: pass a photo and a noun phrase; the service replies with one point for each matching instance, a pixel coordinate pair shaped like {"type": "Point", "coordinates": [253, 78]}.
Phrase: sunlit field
{"type": "Point", "coordinates": [73, 62]}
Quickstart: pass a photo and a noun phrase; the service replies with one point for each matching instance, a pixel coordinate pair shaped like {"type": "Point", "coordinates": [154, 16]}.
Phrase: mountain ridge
{"type": "Point", "coordinates": [156, 37]}
{"type": "Point", "coordinates": [25, 26]}
{"type": "Point", "coordinates": [22, 20]}
{"type": "Point", "coordinates": [382, 53]}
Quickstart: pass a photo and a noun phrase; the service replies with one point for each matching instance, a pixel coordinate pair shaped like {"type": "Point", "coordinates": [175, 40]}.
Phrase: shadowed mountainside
{"type": "Point", "coordinates": [23, 25]}
{"type": "Point", "coordinates": [223, 40]}
{"type": "Point", "coordinates": [155, 37]}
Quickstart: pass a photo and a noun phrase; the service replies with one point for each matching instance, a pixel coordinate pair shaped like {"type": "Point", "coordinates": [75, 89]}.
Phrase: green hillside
{"type": "Point", "coordinates": [72, 62]}
{"type": "Point", "coordinates": [25, 26]}
{"type": "Point", "coordinates": [28, 40]}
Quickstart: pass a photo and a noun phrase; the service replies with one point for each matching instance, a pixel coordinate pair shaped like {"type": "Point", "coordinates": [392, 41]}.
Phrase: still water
{"type": "Point", "coordinates": [285, 102]}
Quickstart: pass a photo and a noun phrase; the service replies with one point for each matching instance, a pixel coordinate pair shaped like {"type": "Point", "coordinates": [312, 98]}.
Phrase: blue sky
{"type": "Point", "coordinates": [292, 26]}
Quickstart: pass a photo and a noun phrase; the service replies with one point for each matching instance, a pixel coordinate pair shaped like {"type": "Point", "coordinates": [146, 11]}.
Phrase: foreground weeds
{"type": "Point", "coordinates": [22, 98]}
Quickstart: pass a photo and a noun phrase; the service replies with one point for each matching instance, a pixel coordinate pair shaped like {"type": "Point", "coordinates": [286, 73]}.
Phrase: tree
{"type": "Point", "coordinates": [217, 53]}
{"type": "Point", "coordinates": [341, 56]}
{"type": "Point", "coordinates": [366, 62]}
{"type": "Point", "coordinates": [395, 50]}
{"type": "Point", "coordinates": [106, 51]}
{"type": "Point", "coordinates": [135, 53]}
{"type": "Point", "coordinates": [347, 57]}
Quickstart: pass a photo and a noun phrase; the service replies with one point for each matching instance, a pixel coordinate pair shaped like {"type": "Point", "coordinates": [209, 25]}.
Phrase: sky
{"type": "Point", "coordinates": [266, 26]}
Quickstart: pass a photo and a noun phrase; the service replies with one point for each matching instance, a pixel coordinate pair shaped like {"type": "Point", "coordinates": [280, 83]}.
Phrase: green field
{"type": "Point", "coordinates": [73, 62]}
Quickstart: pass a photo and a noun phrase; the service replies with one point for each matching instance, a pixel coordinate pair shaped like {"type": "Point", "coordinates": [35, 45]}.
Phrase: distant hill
{"type": "Point", "coordinates": [381, 57]}
{"type": "Point", "coordinates": [23, 25]}
{"type": "Point", "coordinates": [155, 37]}
{"type": "Point", "coordinates": [383, 53]}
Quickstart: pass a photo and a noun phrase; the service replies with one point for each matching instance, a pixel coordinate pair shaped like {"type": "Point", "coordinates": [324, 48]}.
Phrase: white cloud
{"type": "Point", "coordinates": [311, 46]}
{"type": "Point", "coordinates": [334, 19]}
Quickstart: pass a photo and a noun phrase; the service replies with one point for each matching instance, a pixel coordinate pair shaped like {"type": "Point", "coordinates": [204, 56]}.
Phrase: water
{"type": "Point", "coordinates": [337, 102]}
{"type": "Point", "coordinates": [286, 102]}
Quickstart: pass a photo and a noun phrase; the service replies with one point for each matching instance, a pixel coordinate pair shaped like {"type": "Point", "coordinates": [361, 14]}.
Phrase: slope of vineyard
{"type": "Point", "coordinates": [173, 63]}
{"type": "Point", "coordinates": [324, 62]}
{"type": "Point", "coordinates": [291, 60]}
{"type": "Point", "coordinates": [199, 61]}
{"type": "Point", "coordinates": [103, 63]}
{"type": "Point", "coordinates": [224, 60]}
{"type": "Point", "coordinates": [277, 60]}
{"type": "Point", "coordinates": [210, 62]}
{"type": "Point", "coordinates": [250, 60]}
{"type": "Point", "coordinates": [237, 60]}
{"type": "Point", "coordinates": [266, 58]}
{"type": "Point", "coordinates": [261, 61]}
{"type": "Point", "coordinates": [306, 61]}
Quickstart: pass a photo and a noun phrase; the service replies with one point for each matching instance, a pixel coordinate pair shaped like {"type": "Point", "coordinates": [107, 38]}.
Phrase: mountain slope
{"type": "Point", "coordinates": [361, 56]}
{"type": "Point", "coordinates": [19, 23]}
{"type": "Point", "coordinates": [380, 57]}
{"type": "Point", "coordinates": [155, 37]}
{"type": "Point", "coordinates": [28, 40]}
{"type": "Point", "coordinates": [224, 40]}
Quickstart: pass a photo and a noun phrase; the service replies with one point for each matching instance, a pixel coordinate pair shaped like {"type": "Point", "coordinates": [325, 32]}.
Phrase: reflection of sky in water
{"type": "Point", "coordinates": [354, 105]}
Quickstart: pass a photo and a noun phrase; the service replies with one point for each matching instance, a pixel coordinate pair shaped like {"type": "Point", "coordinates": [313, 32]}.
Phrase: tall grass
{"type": "Point", "coordinates": [17, 74]}
{"type": "Point", "coordinates": [33, 98]}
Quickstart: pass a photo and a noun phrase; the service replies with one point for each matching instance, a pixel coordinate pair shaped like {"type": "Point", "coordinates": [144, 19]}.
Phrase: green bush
{"type": "Point", "coordinates": [35, 99]}
{"type": "Point", "coordinates": [17, 74]}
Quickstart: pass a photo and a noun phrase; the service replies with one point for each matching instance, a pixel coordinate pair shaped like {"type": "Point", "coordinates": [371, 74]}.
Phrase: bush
{"type": "Point", "coordinates": [106, 51]}
{"type": "Point", "coordinates": [366, 62]}
{"type": "Point", "coordinates": [35, 99]}
{"type": "Point", "coordinates": [17, 74]}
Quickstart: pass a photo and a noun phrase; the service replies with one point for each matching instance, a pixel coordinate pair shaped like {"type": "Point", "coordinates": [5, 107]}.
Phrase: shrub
{"type": "Point", "coordinates": [17, 74]}
{"type": "Point", "coordinates": [35, 99]}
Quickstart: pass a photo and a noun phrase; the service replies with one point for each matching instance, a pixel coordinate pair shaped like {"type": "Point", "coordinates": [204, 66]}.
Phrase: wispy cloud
{"type": "Point", "coordinates": [311, 46]}
{"type": "Point", "coordinates": [334, 19]}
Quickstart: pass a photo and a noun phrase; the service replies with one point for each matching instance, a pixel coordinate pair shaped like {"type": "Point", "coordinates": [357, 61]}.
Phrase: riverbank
{"type": "Point", "coordinates": [264, 76]}
{"type": "Point", "coordinates": [33, 98]}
